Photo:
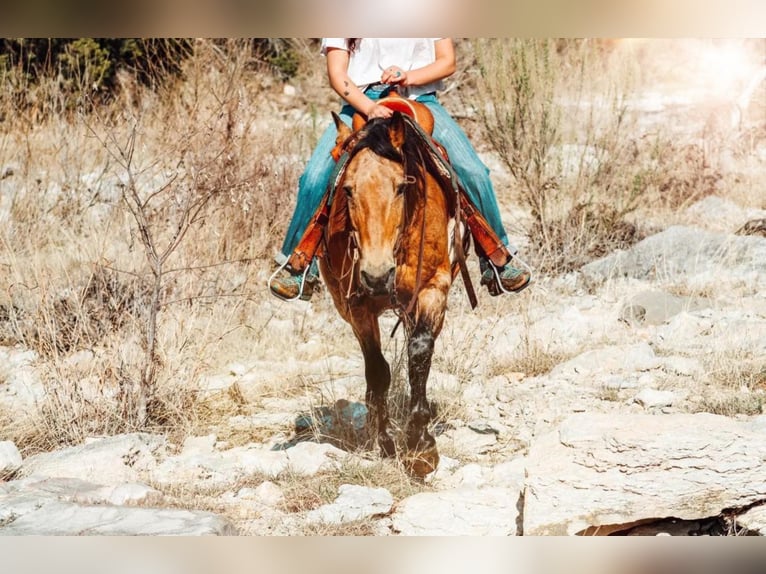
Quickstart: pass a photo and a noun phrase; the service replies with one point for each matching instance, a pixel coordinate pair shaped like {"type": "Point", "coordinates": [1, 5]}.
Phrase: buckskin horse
{"type": "Point", "coordinates": [387, 246]}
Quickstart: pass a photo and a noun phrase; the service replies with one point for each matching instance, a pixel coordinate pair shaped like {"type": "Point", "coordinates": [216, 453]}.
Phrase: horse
{"type": "Point", "coordinates": [387, 246]}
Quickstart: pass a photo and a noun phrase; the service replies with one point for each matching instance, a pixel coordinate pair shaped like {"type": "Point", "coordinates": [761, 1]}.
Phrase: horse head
{"type": "Point", "coordinates": [374, 185]}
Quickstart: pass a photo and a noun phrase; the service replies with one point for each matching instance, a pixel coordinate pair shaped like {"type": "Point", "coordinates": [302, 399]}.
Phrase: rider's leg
{"type": "Point", "coordinates": [474, 176]}
{"type": "Point", "coordinates": [312, 186]}
{"type": "Point", "coordinates": [311, 189]}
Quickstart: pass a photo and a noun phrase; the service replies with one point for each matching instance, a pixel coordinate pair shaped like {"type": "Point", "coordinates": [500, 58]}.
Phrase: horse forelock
{"type": "Point", "coordinates": [412, 156]}
{"type": "Point", "coordinates": [375, 137]}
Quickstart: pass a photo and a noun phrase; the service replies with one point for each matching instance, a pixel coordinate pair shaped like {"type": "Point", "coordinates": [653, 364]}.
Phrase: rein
{"type": "Point", "coordinates": [442, 167]}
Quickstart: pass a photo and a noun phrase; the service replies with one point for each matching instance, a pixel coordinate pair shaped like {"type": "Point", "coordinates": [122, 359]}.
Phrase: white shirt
{"type": "Point", "coordinates": [373, 55]}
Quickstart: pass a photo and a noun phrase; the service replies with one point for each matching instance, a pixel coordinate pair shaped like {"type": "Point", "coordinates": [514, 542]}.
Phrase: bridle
{"type": "Point", "coordinates": [435, 164]}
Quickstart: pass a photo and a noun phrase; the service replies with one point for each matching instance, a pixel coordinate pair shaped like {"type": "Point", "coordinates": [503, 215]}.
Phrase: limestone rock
{"type": "Point", "coordinates": [488, 511]}
{"type": "Point", "coordinates": [654, 307]}
{"type": "Point", "coordinates": [110, 460]}
{"type": "Point", "coordinates": [652, 398]}
{"type": "Point", "coordinates": [68, 519]}
{"type": "Point", "coordinates": [608, 360]}
{"type": "Point", "coordinates": [679, 251]}
{"type": "Point", "coordinates": [353, 503]}
{"type": "Point", "coordinates": [753, 520]}
{"type": "Point", "coordinates": [604, 471]}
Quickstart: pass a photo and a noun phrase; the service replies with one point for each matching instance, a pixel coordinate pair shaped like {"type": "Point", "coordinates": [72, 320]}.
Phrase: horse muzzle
{"type": "Point", "coordinates": [378, 283]}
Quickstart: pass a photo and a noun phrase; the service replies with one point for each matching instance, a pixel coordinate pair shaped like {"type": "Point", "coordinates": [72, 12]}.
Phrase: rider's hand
{"type": "Point", "coordinates": [378, 111]}
{"type": "Point", "coordinates": [394, 75]}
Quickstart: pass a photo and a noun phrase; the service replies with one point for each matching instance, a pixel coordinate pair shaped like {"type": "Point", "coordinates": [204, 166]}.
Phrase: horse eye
{"type": "Point", "coordinates": [347, 190]}
{"type": "Point", "coordinates": [401, 188]}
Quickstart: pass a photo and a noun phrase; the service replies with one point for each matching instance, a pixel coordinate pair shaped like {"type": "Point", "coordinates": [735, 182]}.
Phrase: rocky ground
{"type": "Point", "coordinates": [612, 438]}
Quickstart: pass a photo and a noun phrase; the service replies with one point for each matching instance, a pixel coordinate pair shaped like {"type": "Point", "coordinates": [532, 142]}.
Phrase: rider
{"type": "Point", "coordinates": [361, 71]}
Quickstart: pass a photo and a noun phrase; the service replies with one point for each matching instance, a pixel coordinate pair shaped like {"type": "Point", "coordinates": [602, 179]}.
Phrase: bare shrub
{"type": "Point", "coordinates": [79, 317]}
{"type": "Point", "coordinates": [127, 226]}
{"type": "Point", "coordinates": [579, 173]}
{"type": "Point", "coordinates": [204, 133]}
{"type": "Point", "coordinates": [682, 176]}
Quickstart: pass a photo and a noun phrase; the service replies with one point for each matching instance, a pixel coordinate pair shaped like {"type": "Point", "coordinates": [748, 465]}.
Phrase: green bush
{"type": "Point", "coordinates": [60, 74]}
{"type": "Point", "coordinates": [51, 75]}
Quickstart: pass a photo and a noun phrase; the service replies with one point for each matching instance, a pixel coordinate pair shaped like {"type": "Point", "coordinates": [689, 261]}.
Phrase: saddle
{"type": "Point", "coordinates": [418, 111]}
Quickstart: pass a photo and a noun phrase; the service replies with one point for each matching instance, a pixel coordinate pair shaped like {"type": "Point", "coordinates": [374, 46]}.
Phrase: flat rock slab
{"type": "Point", "coordinates": [73, 490]}
{"type": "Point", "coordinates": [680, 251]}
{"type": "Point", "coordinates": [753, 520]}
{"type": "Point", "coordinates": [604, 473]}
{"type": "Point", "coordinates": [69, 519]}
{"type": "Point", "coordinates": [488, 511]}
{"type": "Point", "coordinates": [656, 307]}
{"type": "Point", "coordinates": [353, 503]}
{"type": "Point", "coordinates": [222, 469]}
{"type": "Point", "coordinates": [109, 460]}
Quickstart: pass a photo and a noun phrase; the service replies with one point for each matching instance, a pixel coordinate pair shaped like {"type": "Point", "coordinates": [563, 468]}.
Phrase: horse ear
{"type": "Point", "coordinates": [343, 130]}
{"type": "Point", "coordinates": [396, 131]}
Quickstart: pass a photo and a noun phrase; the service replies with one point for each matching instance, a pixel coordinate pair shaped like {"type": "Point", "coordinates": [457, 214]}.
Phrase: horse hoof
{"type": "Point", "coordinates": [422, 463]}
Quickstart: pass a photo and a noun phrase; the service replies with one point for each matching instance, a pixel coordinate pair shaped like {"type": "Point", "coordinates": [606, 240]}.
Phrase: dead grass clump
{"type": "Point", "coordinates": [533, 360]}
{"type": "Point", "coordinates": [73, 411]}
{"type": "Point", "coordinates": [78, 317]}
{"type": "Point", "coordinates": [731, 404]}
{"type": "Point", "coordinates": [736, 384]}
{"type": "Point", "coordinates": [737, 370]}
{"type": "Point", "coordinates": [364, 527]}
{"type": "Point", "coordinates": [302, 494]}
{"type": "Point", "coordinates": [682, 176]}
{"type": "Point", "coordinates": [586, 233]}
{"type": "Point", "coordinates": [186, 496]}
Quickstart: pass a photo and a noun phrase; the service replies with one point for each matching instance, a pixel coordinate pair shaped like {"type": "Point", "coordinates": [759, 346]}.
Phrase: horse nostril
{"type": "Point", "coordinates": [378, 284]}
{"type": "Point", "coordinates": [390, 279]}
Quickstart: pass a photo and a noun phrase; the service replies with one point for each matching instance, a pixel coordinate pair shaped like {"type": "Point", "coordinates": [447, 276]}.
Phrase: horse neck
{"type": "Point", "coordinates": [426, 220]}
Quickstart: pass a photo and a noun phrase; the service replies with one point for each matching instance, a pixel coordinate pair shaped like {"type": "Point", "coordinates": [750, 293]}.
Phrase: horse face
{"type": "Point", "coordinates": [374, 188]}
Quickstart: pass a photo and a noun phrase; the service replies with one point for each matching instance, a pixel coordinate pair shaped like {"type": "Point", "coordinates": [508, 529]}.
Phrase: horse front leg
{"type": "Point", "coordinates": [423, 456]}
{"type": "Point", "coordinates": [377, 374]}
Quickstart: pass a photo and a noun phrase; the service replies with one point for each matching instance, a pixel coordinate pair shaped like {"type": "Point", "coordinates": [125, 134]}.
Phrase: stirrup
{"type": "Point", "coordinates": [303, 281]}
{"type": "Point", "coordinates": [498, 280]}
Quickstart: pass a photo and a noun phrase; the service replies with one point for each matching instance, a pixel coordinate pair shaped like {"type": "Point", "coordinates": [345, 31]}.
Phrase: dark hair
{"type": "Point", "coordinates": [352, 43]}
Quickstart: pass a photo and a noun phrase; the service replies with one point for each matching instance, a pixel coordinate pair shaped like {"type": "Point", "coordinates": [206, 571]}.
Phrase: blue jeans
{"type": "Point", "coordinates": [473, 174]}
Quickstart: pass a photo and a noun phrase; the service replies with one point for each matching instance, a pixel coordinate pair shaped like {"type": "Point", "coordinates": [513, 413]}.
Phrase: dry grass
{"type": "Point", "coordinates": [561, 116]}
{"type": "Point", "coordinates": [735, 385]}
{"type": "Point", "coordinates": [301, 494]}
{"type": "Point", "coordinates": [76, 278]}
{"type": "Point", "coordinates": [534, 360]}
